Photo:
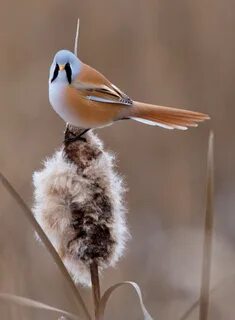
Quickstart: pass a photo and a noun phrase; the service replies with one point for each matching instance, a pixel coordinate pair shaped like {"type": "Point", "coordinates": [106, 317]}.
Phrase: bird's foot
{"type": "Point", "coordinates": [73, 139]}
{"type": "Point", "coordinates": [76, 137]}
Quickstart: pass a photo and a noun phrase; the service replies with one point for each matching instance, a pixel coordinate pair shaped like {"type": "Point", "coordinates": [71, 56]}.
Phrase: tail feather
{"type": "Point", "coordinates": [167, 117]}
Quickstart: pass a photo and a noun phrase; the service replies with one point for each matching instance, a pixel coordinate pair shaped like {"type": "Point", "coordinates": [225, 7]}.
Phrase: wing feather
{"type": "Point", "coordinates": [95, 87]}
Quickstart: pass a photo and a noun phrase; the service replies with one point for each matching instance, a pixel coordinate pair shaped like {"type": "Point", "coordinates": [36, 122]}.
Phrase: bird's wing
{"type": "Point", "coordinates": [95, 87]}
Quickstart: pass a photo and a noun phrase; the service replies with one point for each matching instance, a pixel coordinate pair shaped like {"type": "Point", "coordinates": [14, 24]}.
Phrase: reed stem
{"type": "Point", "coordinates": [208, 234]}
{"type": "Point", "coordinates": [29, 215]}
{"type": "Point", "coordinates": [76, 38]}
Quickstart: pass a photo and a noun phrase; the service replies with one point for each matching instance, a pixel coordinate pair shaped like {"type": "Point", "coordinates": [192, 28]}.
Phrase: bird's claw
{"type": "Point", "coordinates": [74, 139]}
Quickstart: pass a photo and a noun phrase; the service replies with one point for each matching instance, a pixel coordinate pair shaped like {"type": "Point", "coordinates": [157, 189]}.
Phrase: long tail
{"type": "Point", "coordinates": [166, 117]}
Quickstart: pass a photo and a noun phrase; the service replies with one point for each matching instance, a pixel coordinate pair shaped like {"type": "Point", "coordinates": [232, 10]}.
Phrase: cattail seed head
{"type": "Point", "coordinates": [79, 204]}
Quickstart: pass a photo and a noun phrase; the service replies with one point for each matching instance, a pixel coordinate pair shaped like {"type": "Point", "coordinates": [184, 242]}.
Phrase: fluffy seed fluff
{"type": "Point", "coordinates": [79, 204]}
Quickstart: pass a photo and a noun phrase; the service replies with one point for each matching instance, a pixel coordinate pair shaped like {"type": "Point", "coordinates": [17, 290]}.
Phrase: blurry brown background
{"type": "Point", "coordinates": [179, 53]}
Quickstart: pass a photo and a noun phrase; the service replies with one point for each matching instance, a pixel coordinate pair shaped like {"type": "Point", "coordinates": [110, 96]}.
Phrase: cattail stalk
{"type": "Point", "coordinates": [95, 286]}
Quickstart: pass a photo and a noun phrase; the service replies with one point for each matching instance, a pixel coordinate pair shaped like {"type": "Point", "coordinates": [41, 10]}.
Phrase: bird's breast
{"type": "Point", "coordinates": [57, 96]}
{"type": "Point", "coordinates": [73, 107]}
{"type": "Point", "coordinates": [59, 102]}
{"type": "Point", "coordinates": [91, 114]}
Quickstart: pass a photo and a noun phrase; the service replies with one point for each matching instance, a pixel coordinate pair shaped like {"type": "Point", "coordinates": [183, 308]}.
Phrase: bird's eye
{"type": "Point", "coordinates": [56, 72]}
{"type": "Point", "coordinates": [68, 72]}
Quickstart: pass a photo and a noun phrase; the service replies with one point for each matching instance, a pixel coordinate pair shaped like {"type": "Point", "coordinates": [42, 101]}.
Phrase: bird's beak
{"type": "Point", "coordinates": [61, 67]}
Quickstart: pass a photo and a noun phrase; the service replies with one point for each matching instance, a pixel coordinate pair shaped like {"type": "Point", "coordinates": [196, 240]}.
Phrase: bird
{"type": "Point", "coordinates": [83, 97]}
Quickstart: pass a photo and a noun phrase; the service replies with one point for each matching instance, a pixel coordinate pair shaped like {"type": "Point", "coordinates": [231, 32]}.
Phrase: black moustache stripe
{"type": "Point", "coordinates": [56, 72]}
{"type": "Point", "coordinates": [68, 72]}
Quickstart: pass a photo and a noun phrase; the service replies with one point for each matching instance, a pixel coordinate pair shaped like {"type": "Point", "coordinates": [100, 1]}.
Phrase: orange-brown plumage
{"type": "Point", "coordinates": [95, 113]}
{"type": "Point", "coordinates": [172, 117]}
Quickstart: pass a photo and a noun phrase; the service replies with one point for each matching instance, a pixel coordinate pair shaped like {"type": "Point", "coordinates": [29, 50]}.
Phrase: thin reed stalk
{"type": "Point", "coordinates": [76, 38]}
{"type": "Point", "coordinates": [29, 215]}
{"type": "Point", "coordinates": [203, 301]}
{"type": "Point", "coordinates": [208, 234]}
{"type": "Point", "coordinates": [219, 286]}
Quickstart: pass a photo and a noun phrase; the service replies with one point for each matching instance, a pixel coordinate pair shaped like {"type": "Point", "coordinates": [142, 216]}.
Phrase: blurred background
{"type": "Point", "coordinates": [176, 53]}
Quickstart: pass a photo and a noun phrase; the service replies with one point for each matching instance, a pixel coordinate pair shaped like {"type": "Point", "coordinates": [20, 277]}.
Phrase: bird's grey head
{"type": "Point", "coordinates": [65, 67]}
